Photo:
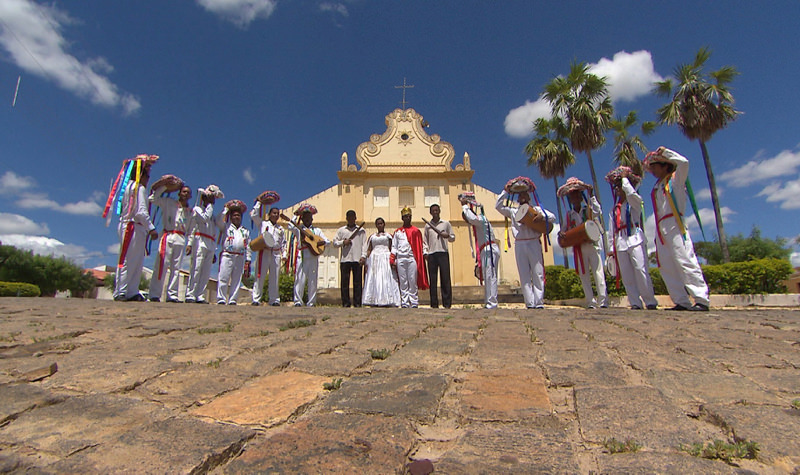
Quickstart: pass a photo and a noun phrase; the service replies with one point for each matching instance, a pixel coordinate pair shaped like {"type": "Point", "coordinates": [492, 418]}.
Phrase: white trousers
{"type": "Point", "coordinates": [531, 271]}
{"type": "Point", "coordinates": [231, 267]}
{"type": "Point", "coordinates": [174, 246]}
{"type": "Point", "coordinates": [632, 264]}
{"type": "Point", "coordinates": [490, 260]}
{"type": "Point", "coordinates": [202, 259]}
{"type": "Point", "coordinates": [306, 271]}
{"type": "Point", "coordinates": [592, 267]}
{"type": "Point", "coordinates": [407, 278]}
{"type": "Point", "coordinates": [270, 263]}
{"type": "Point", "coordinates": [680, 269]}
{"type": "Point", "coordinates": [129, 274]}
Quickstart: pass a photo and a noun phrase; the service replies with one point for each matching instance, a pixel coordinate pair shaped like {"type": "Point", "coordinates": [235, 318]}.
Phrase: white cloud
{"type": "Point", "coordinates": [629, 75]}
{"type": "Point", "coordinates": [11, 183]}
{"type": "Point", "coordinates": [46, 246]}
{"type": "Point", "coordinates": [41, 200]}
{"type": "Point", "coordinates": [16, 224]}
{"type": "Point", "coordinates": [31, 34]}
{"type": "Point", "coordinates": [339, 8]}
{"type": "Point", "coordinates": [113, 249]}
{"type": "Point", "coordinates": [240, 12]}
{"type": "Point", "coordinates": [781, 165]}
{"type": "Point", "coordinates": [248, 175]}
{"type": "Point", "coordinates": [705, 193]}
{"type": "Point", "coordinates": [795, 259]}
{"type": "Point", "coordinates": [784, 193]}
{"type": "Point", "coordinates": [519, 121]}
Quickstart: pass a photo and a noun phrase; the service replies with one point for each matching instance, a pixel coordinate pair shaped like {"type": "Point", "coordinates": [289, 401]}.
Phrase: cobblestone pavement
{"type": "Point", "coordinates": [103, 387]}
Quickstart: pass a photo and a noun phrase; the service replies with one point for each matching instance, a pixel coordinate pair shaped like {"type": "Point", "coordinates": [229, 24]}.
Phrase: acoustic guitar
{"type": "Point", "coordinates": [316, 245]}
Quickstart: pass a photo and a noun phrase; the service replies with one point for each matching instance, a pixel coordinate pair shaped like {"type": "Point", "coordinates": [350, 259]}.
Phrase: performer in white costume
{"type": "Point", "coordinates": [268, 261]}
{"type": "Point", "coordinates": [626, 241]}
{"type": "Point", "coordinates": [676, 259]}
{"type": "Point", "coordinates": [307, 266]}
{"type": "Point", "coordinates": [407, 258]}
{"type": "Point", "coordinates": [234, 259]}
{"type": "Point", "coordinates": [527, 243]}
{"type": "Point", "coordinates": [134, 225]}
{"type": "Point", "coordinates": [203, 243]}
{"type": "Point", "coordinates": [175, 217]}
{"type": "Point", "coordinates": [487, 249]}
{"type": "Point", "coordinates": [587, 256]}
{"type": "Point", "coordinates": [381, 288]}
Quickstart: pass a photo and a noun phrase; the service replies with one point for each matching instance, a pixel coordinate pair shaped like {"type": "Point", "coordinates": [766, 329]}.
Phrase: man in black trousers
{"type": "Point", "coordinates": [435, 236]}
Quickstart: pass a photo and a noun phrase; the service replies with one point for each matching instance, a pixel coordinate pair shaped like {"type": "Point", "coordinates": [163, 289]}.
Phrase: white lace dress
{"type": "Point", "coordinates": [380, 284]}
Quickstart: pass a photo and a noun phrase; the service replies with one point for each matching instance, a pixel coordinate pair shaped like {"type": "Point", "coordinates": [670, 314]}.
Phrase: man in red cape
{"type": "Point", "coordinates": [407, 258]}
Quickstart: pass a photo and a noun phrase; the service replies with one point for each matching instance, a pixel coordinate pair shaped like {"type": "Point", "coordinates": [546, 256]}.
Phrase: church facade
{"type": "Point", "coordinates": [404, 166]}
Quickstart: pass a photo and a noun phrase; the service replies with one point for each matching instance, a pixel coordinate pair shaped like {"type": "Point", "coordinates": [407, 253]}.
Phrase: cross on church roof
{"type": "Point", "coordinates": [404, 87]}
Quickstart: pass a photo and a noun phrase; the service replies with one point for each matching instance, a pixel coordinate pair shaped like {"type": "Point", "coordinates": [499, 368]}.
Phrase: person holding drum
{"type": "Point", "coordinates": [234, 259]}
{"type": "Point", "coordinates": [528, 223]}
{"type": "Point", "coordinates": [674, 249]}
{"type": "Point", "coordinates": [270, 246]}
{"type": "Point", "coordinates": [175, 217]}
{"type": "Point", "coordinates": [582, 220]}
{"type": "Point", "coordinates": [488, 251]}
{"type": "Point", "coordinates": [626, 239]}
{"type": "Point", "coordinates": [203, 245]}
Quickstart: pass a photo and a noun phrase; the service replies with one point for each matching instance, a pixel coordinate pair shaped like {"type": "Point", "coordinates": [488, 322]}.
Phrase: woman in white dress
{"type": "Point", "coordinates": [380, 284]}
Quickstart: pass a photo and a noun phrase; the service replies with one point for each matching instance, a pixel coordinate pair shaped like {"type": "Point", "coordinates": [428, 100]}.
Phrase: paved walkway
{"type": "Point", "coordinates": [102, 387]}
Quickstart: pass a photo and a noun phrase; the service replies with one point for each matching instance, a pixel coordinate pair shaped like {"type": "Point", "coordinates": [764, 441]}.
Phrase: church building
{"type": "Point", "coordinates": [404, 166]}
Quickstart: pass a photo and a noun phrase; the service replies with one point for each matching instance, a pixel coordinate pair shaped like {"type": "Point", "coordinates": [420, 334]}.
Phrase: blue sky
{"type": "Point", "coordinates": [267, 94]}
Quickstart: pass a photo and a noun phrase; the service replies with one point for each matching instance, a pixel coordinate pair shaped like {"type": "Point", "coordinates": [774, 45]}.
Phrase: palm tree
{"type": "Point", "coordinates": [581, 100]}
{"type": "Point", "coordinates": [700, 105]}
{"type": "Point", "coordinates": [625, 144]}
{"type": "Point", "coordinates": [551, 154]}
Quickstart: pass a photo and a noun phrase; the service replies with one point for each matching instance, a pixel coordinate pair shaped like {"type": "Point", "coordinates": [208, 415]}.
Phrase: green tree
{"type": "Point", "coordinates": [551, 154]}
{"type": "Point", "coordinates": [745, 248]}
{"type": "Point", "coordinates": [49, 273]}
{"type": "Point", "coordinates": [700, 105]}
{"type": "Point", "coordinates": [626, 144]}
{"type": "Point", "coordinates": [581, 100]}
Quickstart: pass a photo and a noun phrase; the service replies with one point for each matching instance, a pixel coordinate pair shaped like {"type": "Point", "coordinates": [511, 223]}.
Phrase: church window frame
{"type": "Point", "coordinates": [380, 197]}
{"type": "Point", "coordinates": [432, 196]}
{"type": "Point", "coordinates": [406, 196]}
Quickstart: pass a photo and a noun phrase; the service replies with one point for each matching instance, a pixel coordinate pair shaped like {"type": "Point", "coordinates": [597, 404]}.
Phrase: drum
{"type": "Point", "coordinates": [526, 215]}
{"type": "Point", "coordinates": [586, 232]}
{"type": "Point", "coordinates": [262, 242]}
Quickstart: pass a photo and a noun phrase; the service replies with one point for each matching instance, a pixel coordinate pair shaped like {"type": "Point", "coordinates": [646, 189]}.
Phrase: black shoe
{"type": "Point", "coordinates": [155, 299]}
{"type": "Point", "coordinates": [679, 308]}
{"type": "Point", "coordinates": [255, 304]}
{"type": "Point", "coordinates": [699, 307]}
{"type": "Point", "coordinates": [275, 304]}
{"type": "Point", "coordinates": [346, 305]}
{"type": "Point", "coordinates": [232, 303]}
{"type": "Point", "coordinates": [136, 298]}
{"type": "Point", "coordinates": [201, 301]}
{"type": "Point", "coordinates": [652, 307]}
{"type": "Point", "coordinates": [173, 301]}
{"type": "Point", "coordinates": [635, 307]}
{"type": "Point", "coordinates": [604, 306]}
{"type": "Point", "coordinates": [189, 301]}
{"type": "Point", "coordinates": [119, 298]}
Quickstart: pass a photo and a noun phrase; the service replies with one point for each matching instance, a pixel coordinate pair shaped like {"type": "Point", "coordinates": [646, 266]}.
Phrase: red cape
{"type": "Point", "coordinates": [415, 240]}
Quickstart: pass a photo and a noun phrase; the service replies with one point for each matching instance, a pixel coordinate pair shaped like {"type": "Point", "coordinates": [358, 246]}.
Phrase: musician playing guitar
{"type": "Point", "coordinates": [313, 244]}
{"type": "Point", "coordinates": [352, 240]}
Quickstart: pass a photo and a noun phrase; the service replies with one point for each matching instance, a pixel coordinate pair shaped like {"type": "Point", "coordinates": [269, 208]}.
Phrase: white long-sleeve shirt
{"type": "Point", "coordinates": [633, 207]}
{"type": "Point", "coordinates": [357, 249]}
{"type": "Point", "coordinates": [432, 241]}
{"type": "Point", "coordinates": [265, 226]}
{"type": "Point", "coordinates": [174, 217]}
{"type": "Point", "coordinates": [237, 240]}
{"type": "Point", "coordinates": [678, 188]}
{"type": "Point", "coordinates": [134, 206]}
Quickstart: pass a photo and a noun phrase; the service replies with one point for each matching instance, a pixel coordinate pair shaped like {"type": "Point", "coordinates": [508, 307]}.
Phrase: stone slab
{"type": "Point", "coordinates": [18, 398]}
{"type": "Point", "coordinates": [639, 413]}
{"type": "Point", "coordinates": [331, 443]}
{"type": "Point", "coordinates": [722, 388]}
{"type": "Point", "coordinates": [266, 401]}
{"type": "Point", "coordinates": [408, 394]}
{"type": "Point", "coordinates": [503, 395]}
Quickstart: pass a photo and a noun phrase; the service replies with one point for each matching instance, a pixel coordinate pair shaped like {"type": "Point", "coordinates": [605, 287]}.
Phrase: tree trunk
{"type": "Point", "coordinates": [560, 215]}
{"type": "Point", "coordinates": [723, 240]}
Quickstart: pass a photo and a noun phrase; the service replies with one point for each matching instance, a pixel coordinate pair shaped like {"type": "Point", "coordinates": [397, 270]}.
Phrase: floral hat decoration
{"type": "Point", "coordinates": [572, 184]}
{"type": "Point", "coordinates": [236, 205]}
{"type": "Point", "coordinates": [616, 175]}
{"type": "Point", "coordinates": [269, 197]}
{"type": "Point", "coordinates": [305, 208]}
{"type": "Point", "coordinates": [656, 156]}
